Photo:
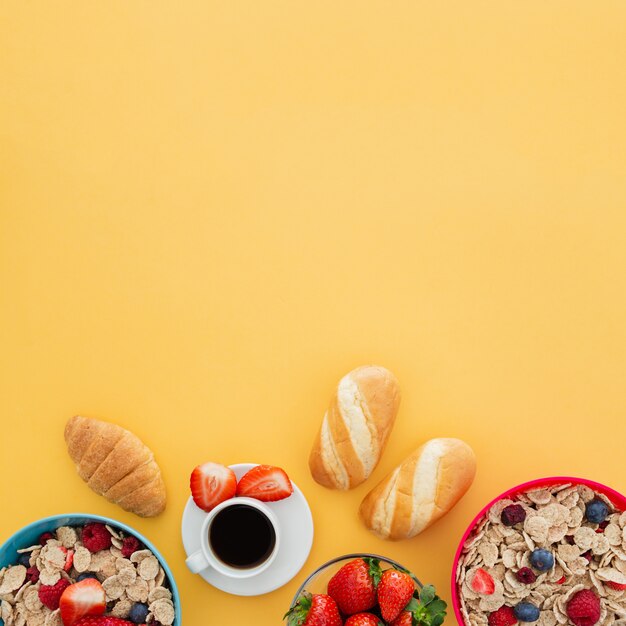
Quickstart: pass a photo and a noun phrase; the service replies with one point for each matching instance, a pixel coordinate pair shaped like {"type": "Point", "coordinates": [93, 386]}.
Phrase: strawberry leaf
{"type": "Point", "coordinates": [297, 614]}
{"type": "Point", "coordinates": [428, 609]}
{"type": "Point", "coordinates": [375, 570]}
{"type": "Point", "coordinates": [427, 594]}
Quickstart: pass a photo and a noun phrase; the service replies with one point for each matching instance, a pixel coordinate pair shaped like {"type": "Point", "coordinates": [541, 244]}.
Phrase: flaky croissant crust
{"type": "Point", "coordinates": [116, 464]}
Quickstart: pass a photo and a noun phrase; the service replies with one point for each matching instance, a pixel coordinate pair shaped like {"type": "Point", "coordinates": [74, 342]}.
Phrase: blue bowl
{"type": "Point", "coordinates": [29, 536]}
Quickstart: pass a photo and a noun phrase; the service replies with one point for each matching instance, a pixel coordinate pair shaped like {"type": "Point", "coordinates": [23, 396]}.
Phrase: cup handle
{"type": "Point", "coordinates": [197, 562]}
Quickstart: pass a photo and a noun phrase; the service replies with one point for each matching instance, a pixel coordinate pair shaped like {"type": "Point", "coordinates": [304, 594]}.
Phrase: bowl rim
{"type": "Point", "coordinates": [354, 555]}
{"type": "Point", "coordinates": [122, 526]}
{"type": "Point", "coordinates": [618, 499]}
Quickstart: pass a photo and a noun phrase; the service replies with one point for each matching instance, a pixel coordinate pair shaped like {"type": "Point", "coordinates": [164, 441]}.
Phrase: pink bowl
{"type": "Point", "coordinates": [615, 497]}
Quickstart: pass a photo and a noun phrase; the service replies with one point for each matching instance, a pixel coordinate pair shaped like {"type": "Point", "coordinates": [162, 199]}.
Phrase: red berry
{"type": "Point", "coordinates": [130, 545]}
{"type": "Point", "coordinates": [526, 576]}
{"type": "Point", "coordinates": [404, 619]}
{"type": "Point", "coordinates": [44, 538]}
{"type": "Point", "coordinates": [310, 610]}
{"type": "Point", "coordinates": [513, 514]}
{"type": "Point", "coordinates": [103, 620]}
{"type": "Point", "coordinates": [69, 558]}
{"type": "Point", "coordinates": [561, 580]}
{"type": "Point", "coordinates": [394, 592]}
{"type": "Point", "coordinates": [483, 583]}
{"type": "Point", "coordinates": [583, 608]}
{"type": "Point", "coordinates": [363, 619]}
{"type": "Point", "coordinates": [32, 574]}
{"type": "Point", "coordinates": [86, 597]}
{"type": "Point", "coordinates": [616, 586]}
{"type": "Point", "coordinates": [353, 587]}
{"type": "Point", "coordinates": [96, 537]}
{"type": "Point", "coordinates": [266, 483]}
{"type": "Point", "coordinates": [504, 616]}
{"type": "Point", "coordinates": [49, 595]}
{"type": "Point", "coordinates": [211, 484]}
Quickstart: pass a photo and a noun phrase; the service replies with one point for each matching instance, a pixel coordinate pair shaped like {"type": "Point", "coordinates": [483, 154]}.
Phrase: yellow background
{"type": "Point", "coordinates": [210, 211]}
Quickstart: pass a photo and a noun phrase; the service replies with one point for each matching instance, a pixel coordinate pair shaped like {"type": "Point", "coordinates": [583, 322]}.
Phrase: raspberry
{"type": "Point", "coordinates": [130, 545]}
{"type": "Point", "coordinates": [513, 514]}
{"type": "Point", "coordinates": [504, 616]}
{"type": "Point", "coordinates": [32, 574]}
{"type": "Point", "coordinates": [49, 595]}
{"type": "Point", "coordinates": [588, 555]}
{"type": "Point", "coordinates": [96, 537]}
{"type": "Point", "coordinates": [44, 538]}
{"type": "Point", "coordinates": [583, 609]}
{"type": "Point", "coordinates": [526, 576]}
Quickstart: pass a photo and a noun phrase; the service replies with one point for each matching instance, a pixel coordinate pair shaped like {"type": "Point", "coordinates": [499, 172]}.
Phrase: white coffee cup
{"type": "Point", "coordinates": [206, 558]}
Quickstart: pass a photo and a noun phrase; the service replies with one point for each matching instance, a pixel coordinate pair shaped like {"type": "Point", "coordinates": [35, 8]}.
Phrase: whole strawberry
{"type": "Point", "coordinates": [395, 590]}
{"type": "Point", "coordinates": [404, 619]}
{"type": "Point", "coordinates": [353, 587]}
{"type": "Point", "coordinates": [583, 608]}
{"type": "Point", "coordinates": [310, 610]}
{"type": "Point", "coordinates": [363, 619]}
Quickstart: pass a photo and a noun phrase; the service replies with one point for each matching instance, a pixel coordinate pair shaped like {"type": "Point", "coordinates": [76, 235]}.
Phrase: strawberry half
{"type": "Point", "coordinates": [83, 598]}
{"type": "Point", "coordinates": [266, 483]}
{"type": "Point", "coordinates": [483, 583]}
{"type": "Point", "coordinates": [211, 484]}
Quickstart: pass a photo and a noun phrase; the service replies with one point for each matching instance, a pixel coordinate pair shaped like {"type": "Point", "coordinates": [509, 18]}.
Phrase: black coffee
{"type": "Point", "coordinates": [242, 536]}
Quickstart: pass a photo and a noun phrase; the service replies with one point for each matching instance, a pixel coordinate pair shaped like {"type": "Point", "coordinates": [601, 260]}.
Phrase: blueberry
{"type": "Point", "coordinates": [596, 511]}
{"type": "Point", "coordinates": [138, 613]}
{"type": "Point", "coordinates": [526, 612]}
{"type": "Point", "coordinates": [24, 559]}
{"type": "Point", "coordinates": [86, 575]}
{"type": "Point", "coordinates": [542, 560]}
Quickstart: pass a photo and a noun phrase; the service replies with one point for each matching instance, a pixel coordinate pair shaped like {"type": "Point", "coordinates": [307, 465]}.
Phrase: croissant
{"type": "Point", "coordinates": [116, 464]}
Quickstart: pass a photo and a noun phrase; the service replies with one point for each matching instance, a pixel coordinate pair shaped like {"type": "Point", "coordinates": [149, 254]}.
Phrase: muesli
{"type": "Point", "coordinates": [134, 583]}
{"type": "Point", "coordinates": [552, 556]}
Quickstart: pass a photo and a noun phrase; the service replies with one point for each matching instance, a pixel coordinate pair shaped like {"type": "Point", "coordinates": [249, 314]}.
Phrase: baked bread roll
{"type": "Point", "coordinates": [355, 428]}
{"type": "Point", "coordinates": [421, 490]}
{"type": "Point", "coordinates": [116, 465]}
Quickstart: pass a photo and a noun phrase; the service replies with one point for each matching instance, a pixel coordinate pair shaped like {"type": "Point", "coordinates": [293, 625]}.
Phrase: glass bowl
{"type": "Point", "coordinates": [317, 581]}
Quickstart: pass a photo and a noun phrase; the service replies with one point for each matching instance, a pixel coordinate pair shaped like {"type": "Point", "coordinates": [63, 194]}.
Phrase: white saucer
{"type": "Point", "coordinates": [296, 539]}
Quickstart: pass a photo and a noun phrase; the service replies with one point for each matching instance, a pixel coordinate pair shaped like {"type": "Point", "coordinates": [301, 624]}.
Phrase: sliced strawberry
{"type": "Point", "coordinates": [483, 583]}
{"type": "Point", "coordinates": [104, 620]}
{"type": "Point", "coordinates": [69, 558]}
{"type": "Point", "coordinates": [211, 484]}
{"type": "Point", "coordinates": [614, 585]}
{"type": "Point", "coordinates": [86, 597]}
{"type": "Point", "coordinates": [266, 483]}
